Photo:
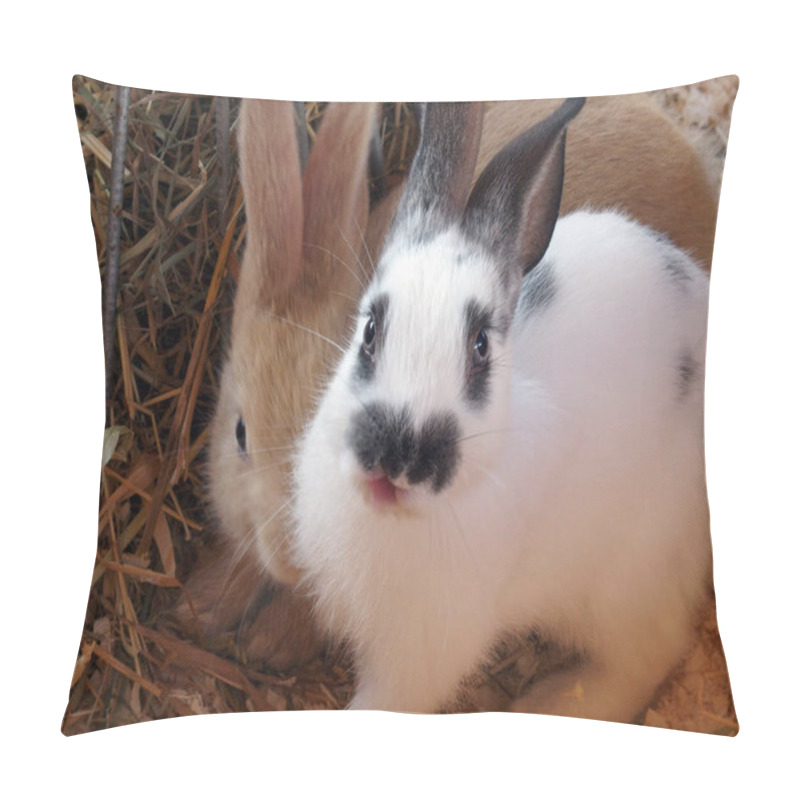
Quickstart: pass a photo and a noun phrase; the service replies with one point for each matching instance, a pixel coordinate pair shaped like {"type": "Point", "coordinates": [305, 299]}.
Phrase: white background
{"type": "Point", "coordinates": [52, 395]}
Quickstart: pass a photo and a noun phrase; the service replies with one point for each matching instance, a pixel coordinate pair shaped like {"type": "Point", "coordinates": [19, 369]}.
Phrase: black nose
{"type": "Point", "coordinates": [386, 438]}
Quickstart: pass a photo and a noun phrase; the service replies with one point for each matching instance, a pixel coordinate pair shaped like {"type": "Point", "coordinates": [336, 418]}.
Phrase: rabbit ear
{"type": "Point", "coordinates": [441, 173]}
{"type": "Point", "coordinates": [335, 196]}
{"type": "Point", "coordinates": [270, 175]}
{"type": "Point", "coordinates": [514, 205]}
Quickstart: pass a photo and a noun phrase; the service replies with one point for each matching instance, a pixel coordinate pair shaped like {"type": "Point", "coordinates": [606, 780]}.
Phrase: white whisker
{"type": "Point", "coordinates": [308, 330]}
{"type": "Point", "coordinates": [463, 538]}
{"type": "Point", "coordinates": [341, 262]}
{"type": "Point", "coordinates": [367, 276]}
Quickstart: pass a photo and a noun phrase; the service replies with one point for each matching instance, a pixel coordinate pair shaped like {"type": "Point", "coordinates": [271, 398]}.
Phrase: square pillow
{"type": "Point", "coordinates": [234, 240]}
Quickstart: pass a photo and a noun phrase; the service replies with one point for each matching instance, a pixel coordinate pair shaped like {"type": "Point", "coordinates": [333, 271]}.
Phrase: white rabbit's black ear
{"type": "Point", "coordinates": [514, 206]}
{"type": "Point", "coordinates": [441, 173]}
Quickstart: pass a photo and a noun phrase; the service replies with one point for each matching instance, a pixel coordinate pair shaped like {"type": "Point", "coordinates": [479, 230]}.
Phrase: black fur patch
{"type": "Point", "coordinates": [384, 437]}
{"type": "Point", "coordinates": [677, 266]}
{"type": "Point", "coordinates": [538, 290]}
{"type": "Point", "coordinates": [437, 453]}
{"type": "Point", "coordinates": [688, 373]}
{"type": "Point", "coordinates": [365, 363]}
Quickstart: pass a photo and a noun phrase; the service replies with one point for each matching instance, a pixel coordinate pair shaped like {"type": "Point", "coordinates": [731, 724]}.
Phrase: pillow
{"type": "Point", "coordinates": [195, 605]}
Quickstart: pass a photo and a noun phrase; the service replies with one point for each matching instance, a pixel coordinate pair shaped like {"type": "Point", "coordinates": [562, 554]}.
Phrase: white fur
{"type": "Point", "coordinates": [579, 505]}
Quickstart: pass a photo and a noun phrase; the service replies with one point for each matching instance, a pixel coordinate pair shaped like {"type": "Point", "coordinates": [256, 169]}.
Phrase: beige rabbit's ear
{"type": "Point", "coordinates": [335, 196]}
{"type": "Point", "coordinates": [380, 219]}
{"type": "Point", "coordinates": [270, 175]}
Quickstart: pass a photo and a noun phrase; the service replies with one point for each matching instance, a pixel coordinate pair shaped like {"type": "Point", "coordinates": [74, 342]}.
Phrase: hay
{"type": "Point", "coordinates": [181, 231]}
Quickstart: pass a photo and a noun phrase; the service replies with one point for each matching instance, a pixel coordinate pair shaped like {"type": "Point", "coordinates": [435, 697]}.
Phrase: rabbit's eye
{"type": "Point", "coordinates": [241, 436]}
{"type": "Point", "coordinates": [480, 350]}
{"type": "Point", "coordinates": [372, 336]}
{"type": "Point", "coordinates": [368, 341]}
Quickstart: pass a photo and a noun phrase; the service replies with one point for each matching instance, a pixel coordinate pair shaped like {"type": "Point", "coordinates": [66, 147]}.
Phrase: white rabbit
{"type": "Point", "coordinates": [513, 439]}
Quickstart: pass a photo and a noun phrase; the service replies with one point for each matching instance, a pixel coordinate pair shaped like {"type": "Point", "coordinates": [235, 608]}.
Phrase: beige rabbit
{"type": "Point", "coordinates": [303, 268]}
{"type": "Point", "coordinates": [303, 271]}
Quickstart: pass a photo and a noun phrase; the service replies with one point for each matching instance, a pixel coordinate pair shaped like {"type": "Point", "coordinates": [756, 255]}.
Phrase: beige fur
{"type": "Point", "coordinates": [302, 271]}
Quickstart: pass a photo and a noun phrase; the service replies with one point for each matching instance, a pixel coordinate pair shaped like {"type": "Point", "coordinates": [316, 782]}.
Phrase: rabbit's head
{"type": "Point", "coordinates": [426, 379]}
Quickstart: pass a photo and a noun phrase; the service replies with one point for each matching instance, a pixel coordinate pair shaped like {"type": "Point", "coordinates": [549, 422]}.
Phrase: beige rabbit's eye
{"type": "Point", "coordinates": [241, 436]}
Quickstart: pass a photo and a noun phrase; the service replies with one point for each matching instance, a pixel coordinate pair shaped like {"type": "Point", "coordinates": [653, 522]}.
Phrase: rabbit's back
{"type": "Point", "coordinates": [610, 353]}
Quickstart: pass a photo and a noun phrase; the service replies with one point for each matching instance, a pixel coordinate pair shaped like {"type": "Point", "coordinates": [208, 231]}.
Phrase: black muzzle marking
{"type": "Point", "coordinates": [385, 438]}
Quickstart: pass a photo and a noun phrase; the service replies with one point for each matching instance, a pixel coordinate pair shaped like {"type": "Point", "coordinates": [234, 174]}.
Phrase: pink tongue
{"type": "Point", "coordinates": [383, 490]}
